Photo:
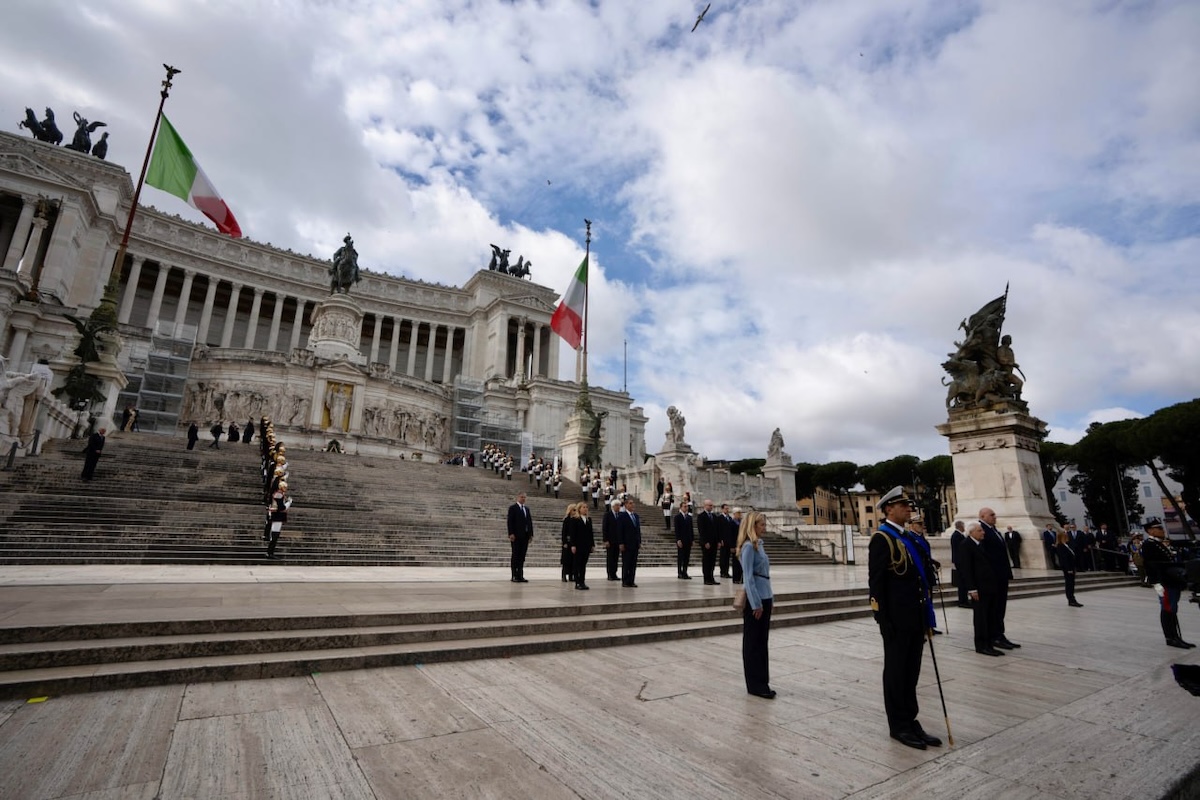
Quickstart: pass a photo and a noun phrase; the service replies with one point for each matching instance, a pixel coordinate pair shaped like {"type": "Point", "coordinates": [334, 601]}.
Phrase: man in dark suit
{"type": "Point", "coordinates": [684, 536]}
{"type": "Point", "coordinates": [957, 540]}
{"type": "Point", "coordinates": [979, 579]}
{"type": "Point", "coordinates": [610, 535]}
{"type": "Point", "coordinates": [1012, 541]}
{"type": "Point", "coordinates": [193, 435]}
{"type": "Point", "coordinates": [726, 546]}
{"type": "Point", "coordinates": [1048, 542]}
{"type": "Point", "coordinates": [708, 530]}
{"type": "Point", "coordinates": [731, 537]}
{"type": "Point", "coordinates": [520, 534]}
{"type": "Point", "coordinates": [997, 552]}
{"type": "Point", "coordinates": [630, 531]}
{"type": "Point", "coordinates": [899, 574]}
{"type": "Point", "coordinates": [91, 455]}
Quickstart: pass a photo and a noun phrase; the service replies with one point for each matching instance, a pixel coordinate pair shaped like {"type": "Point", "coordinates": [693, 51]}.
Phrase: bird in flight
{"type": "Point", "coordinates": [700, 18]}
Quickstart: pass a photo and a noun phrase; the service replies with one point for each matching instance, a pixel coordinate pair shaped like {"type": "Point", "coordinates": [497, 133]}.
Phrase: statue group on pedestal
{"type": "Point", "coordinates": [983, 370]}
{"type": "Point", "coordinates": [499, 263]}
{"type": "Point", "coordinates": [47, 131]}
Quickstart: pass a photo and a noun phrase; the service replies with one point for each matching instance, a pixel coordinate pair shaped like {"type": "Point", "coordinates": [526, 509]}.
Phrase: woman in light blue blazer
{"type": "Point", "coordinates": [756, 616]}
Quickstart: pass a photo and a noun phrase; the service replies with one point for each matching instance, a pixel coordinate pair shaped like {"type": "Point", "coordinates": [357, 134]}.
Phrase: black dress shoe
{"type": "Point", "coordinates": [710, 583]}
{"type": "Point", "coordinates": [965, 605]}
{"type": "Point", "coordinates": [931, 741]}
{"type": "Point", "coordinates": [936, 632]}
{"type": "Point", "coordinates": [1180, 643]}
{"type": "Point", "coordinates": [629, 585]}
{"type": "Point", "coordinates": [582, 586]}
{"type": "Point", "coordinates": [1073, 604]}
{"type": "Point", "coordinates": [910, 739]}
{"type": "Point", "coordinates": [991, 651]}
{"type": "Point", "coordinates": [1003, 645]}
{"type": "Point", "coordinates": [613, 578]}
{"type": "Point", "coordinates": [687, 577]}
{"type": "Point", "coordinates": [769, 694]}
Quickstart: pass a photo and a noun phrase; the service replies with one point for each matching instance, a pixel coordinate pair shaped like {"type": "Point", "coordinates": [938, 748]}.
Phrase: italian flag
{"type": "Point", "coordinates": [174, 170]}
{"type": "Point", "coordinates": [567, 321]}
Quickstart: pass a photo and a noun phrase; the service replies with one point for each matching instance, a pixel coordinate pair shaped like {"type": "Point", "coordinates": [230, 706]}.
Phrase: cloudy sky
{"type": "Point", "coordinates": [794, 205]}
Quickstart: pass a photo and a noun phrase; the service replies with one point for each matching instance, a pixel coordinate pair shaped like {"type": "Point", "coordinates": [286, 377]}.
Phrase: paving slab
{"type": "Point", "coordinates": [1087, 708]}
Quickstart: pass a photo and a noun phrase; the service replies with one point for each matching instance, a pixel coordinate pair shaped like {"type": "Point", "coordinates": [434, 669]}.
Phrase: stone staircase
{"type": "Point", "coordinates": [153, 501]}
{"type": "Point", "coordinates": [62, 658]}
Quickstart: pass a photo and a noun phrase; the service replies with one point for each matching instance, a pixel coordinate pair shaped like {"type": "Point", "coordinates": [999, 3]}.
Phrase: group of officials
{"type": "Point", "coordinates": [621, 536]}
{"type": "Point", "coordinates": [718, 535]}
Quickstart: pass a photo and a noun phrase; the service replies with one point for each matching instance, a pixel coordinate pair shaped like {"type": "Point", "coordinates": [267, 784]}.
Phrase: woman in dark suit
{"type": "Point", "coordinates": [566, 559]}
{"type": "Point", "coordinates": [1066, 562]}
{"type": "Point", "coordinates": [583, 541]}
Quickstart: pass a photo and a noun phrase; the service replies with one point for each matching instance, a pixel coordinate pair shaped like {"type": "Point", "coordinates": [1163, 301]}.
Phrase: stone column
{"type": "Point", "coordinates": [468, 333]}
{"type": "Point", "coordinates": [231, 314]}
{"type": "Point", "coordinates": [375, 339]}
{"type": "Point", "coordinates": [29, 255]}
{"type": "Point", "coordinates": [20, 235]}
{"type": "Point", "coordinates": [537, 350]}
{"type": "Point", "coordinates": [252, 328]}
{"type": "Point", "coordinates": [395, 343]}
{"type": "Point", "coordinates": [447, 362]}
{"type": "Point", "coordinates": [16, 349]}
{"type": "Point", "coordinates": [210, 298]}
{"type": "Point", "coordinates": [135, 275]}
{"type": "Point", "coordinates": [433, 329]}
{"type": "Point", "coordinates": [297, 323]}
{"type": "Point", "coordinates": [412, 348]}
{"type": "Point", "coordinates": [184, 296]}
{"type": "Point", "coordinates": [160, 286]}
{"type": "Point", "coordinates": [519, 371]}
{"type": "Point", "coordinates": [276, 318]}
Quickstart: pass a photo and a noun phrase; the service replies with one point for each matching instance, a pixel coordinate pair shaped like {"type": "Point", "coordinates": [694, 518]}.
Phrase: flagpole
{"type": "Point", "coordinates": [107, 310]}
{"type": "Point", "coordinates": [587, 258]}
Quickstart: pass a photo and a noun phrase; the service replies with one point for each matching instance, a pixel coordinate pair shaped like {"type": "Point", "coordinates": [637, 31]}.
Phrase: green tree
{"type": "Point", "coordinates": [898, 471]}
{"type": "Point", "coordinates": [805, 485]}
{"type": "Point", "coordinates": [1169, 435]}
{"type": "Point", "coordinates": [838, 477]}
{"type": "Point", "coordinates": [1056, 459]}
{"type": "Point", "coordinates": [749, 466]}
{"type": "Point", "coordinates": [936, 476]}
{"type": "Point", "coordinates": [1102, 457]}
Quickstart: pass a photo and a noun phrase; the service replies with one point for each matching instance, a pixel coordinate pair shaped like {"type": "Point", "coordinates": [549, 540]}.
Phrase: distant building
{"type": "Point", "coordinates": [1150, 495]}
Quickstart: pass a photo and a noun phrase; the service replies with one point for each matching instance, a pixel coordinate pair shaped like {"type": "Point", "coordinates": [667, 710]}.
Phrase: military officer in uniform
{"type": "Point", "coordinates": [1167, 575]}
{"type": "Point", "coordinates": [899, 577]}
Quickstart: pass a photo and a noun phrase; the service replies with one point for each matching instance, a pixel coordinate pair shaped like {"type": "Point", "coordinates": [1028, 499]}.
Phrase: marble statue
{"type": "Point", "coordinates": [15, 389]}
{"type": "Point", "coordinates": [337, 400]}
{"type": "Point", "coordinates": [775, 448]}
{"type": "Point", "coordinates": [677, 421]}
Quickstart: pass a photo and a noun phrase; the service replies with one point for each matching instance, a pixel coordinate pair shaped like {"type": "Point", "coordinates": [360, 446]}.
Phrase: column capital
{"type": "Point", "coordinates": [259, 292]}
{"type": "Point", "coordinates": [189, 273]}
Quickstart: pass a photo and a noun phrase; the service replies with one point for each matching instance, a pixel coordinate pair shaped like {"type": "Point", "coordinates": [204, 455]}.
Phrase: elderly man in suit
{"type": "Point", "coordinates": [92, 454]}
{"type": "Point", "coordinates": [993, 545]}
{"type": "Point", "coordinates": [709, 530]}
{"type": "Point", "coordinates": [684, 537]}
{"type": "Point", "coordinates": [978, 577]}
{"type": "Point", "coordinates": [610, 535]}
{"type": "Point", "coordinates": [520, 534]}
{"type": "Point", "coordinates": [957, 540]}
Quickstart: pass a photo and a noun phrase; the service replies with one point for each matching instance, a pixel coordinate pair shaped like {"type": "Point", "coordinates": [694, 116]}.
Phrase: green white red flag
{"type": "Point", "coordinates": [567, 321]}
{"type": "Point", "coordinates": [173, 169]}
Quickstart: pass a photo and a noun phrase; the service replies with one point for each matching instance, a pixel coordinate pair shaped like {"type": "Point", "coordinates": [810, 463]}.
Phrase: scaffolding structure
{"type": "Point", "coordinates": [157, 393]}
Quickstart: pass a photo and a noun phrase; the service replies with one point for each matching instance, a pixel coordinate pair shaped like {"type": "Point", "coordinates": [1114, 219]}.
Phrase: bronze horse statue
{"type": "Point", "coordinates": [44, 131]}
{"type": "Point", "coordinates": [344, 270]}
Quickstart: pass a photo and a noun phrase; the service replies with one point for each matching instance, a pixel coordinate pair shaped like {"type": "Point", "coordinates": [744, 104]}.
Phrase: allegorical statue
{"type": "Point", "coordinates": [775, 448]}
{"type": "Point", "coordinates": [83, 134]}
{"type": "Point", "coordinates": [499, 261]}
{"type": "Point", "coordinates": [982, 369]}
{"type": "Point", "coordinates": [677, 421]}
{"type": "Point", "coordinates": [44, 131]}
{"type": "Point", "coordinates": [100, 149]}
{"type": "Point", "coordinates": [344, 270]}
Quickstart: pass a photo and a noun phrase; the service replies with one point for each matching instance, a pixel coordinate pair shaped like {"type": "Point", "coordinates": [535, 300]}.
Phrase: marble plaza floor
{"type": "Point", "coordinates": [1087, 708]}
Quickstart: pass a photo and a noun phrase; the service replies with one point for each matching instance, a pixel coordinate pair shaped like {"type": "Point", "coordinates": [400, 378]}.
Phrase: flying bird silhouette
{"type": "Point", "coordinates": [700, 18]}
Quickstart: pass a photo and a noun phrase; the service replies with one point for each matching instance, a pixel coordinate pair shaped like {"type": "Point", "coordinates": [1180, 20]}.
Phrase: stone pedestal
{"type": "Point", "coordinates": [336, 330]}
{"type": "Point", "coordinates": [781, 470]}
{"type": "Point", "coordinates": [996, 465]}
{"type": "Point", "coordinates": [575, 442]}
{"type": "Point", "coordinates": [677, 464]}
{"type": "Point", "coordinates": [114, 381]}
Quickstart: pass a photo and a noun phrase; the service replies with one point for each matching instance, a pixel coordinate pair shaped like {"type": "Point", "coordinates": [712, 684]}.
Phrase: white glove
{"type": "Point", "coordinates": [1158, 589]}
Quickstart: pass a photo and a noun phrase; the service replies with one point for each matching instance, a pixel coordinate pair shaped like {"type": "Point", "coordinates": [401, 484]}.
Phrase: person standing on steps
{"type": "Point", "coordinates": [610, 534]}
{"type": "Point", "coordinates": [193, 435]}
{"type": "Point", "coordinates": [567, 557]}
{"type": "Point", "coordinates": [583, 541]}
{"type": "Point", "coordinates": [277, 513]}
{"type": "Point", "coordinates": [631, 543]}
{"type": "Point", "coordinates": [248, 431]}
{"type": "Point", "coordinates": [216, 430]}
{"type": "Point", "coordinates": [708, 531]}
{"type": "Point", "coordinates": [91, 454]}
{"type": "Point", "coordinates": [684, 537]}
{"type": "Point", "coordinates": [1012, 540]}
{"type": "Point", "coordinates": [520, 534]}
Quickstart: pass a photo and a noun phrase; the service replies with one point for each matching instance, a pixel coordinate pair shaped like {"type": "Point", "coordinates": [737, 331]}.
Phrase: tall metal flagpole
{"type": "Point", "coordinates": [107, 310]}
{"type": "Point", "coordinates": [588, 259]}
